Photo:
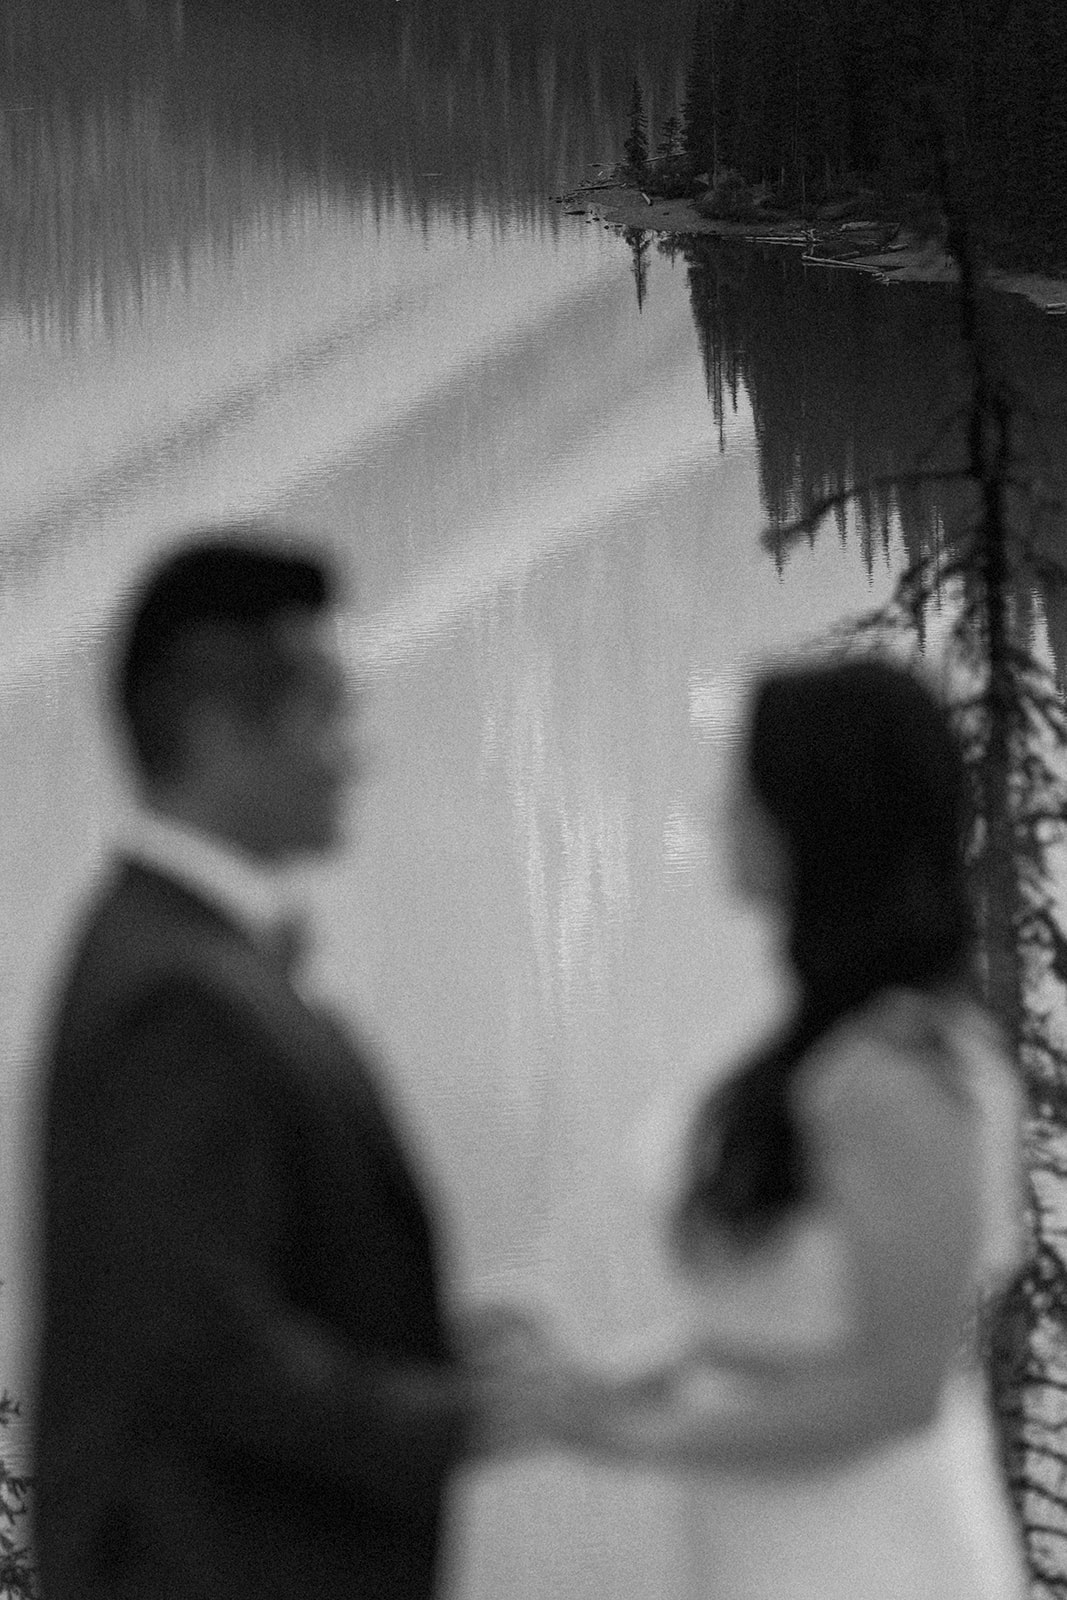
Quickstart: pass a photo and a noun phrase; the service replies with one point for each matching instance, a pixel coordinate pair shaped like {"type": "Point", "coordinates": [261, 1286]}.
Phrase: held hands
{"type": "Point", "coordinates": [529, 1393]}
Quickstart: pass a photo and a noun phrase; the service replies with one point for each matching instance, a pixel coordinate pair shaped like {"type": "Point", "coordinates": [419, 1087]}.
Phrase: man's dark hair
{"type": "Point", "coordinates": [202, 627]}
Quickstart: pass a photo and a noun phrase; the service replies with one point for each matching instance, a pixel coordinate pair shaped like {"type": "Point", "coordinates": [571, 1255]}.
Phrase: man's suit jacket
{"type": "Point", "coordinates": [244, 1385]}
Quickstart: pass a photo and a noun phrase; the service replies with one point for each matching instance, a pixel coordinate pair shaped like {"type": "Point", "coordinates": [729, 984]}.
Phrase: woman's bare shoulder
{"type": "Point", "coordinates": [889, 1116]}
{"type": "Point", "coordinates": [904, 1050]}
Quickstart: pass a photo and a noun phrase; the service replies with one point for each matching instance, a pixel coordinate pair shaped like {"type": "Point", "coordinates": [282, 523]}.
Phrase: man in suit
{"type": "Point", "coordinates": [245, 1387]}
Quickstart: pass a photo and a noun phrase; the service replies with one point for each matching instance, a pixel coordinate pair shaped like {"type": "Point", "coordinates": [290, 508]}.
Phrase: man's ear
{"type": "Point", "coordinates": [214, 734]}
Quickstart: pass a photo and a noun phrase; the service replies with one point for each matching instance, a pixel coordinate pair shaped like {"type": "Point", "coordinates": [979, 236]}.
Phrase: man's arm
{"type": "Point", "coordinates": [196, 1226]}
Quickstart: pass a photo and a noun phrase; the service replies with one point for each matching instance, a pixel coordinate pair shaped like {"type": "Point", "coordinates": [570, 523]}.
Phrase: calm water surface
{"type": "Point", "coordinates": [242, 277]}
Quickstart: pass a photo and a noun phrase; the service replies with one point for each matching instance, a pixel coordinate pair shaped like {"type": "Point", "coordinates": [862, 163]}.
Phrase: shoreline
{"type": "Point", "coordinates": [618, 206]}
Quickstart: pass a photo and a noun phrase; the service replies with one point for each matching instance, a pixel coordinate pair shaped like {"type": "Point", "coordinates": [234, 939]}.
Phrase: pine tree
{"type": "Point", "coordinates": [638, 240]}
{"type": "Point", "coordinates": [670, 138]}
{"type": "Point", "coordinates": [636, 147]}
{"type": "Point", "coordinates": [1021, 139]}
{"type": "Point", "coordinates": [17, 1572]}
{"type": "Point", "coordinates": [699, 133]}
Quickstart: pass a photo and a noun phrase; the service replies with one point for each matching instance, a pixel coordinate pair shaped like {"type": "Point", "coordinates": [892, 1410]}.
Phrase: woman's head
{"type": "Point", "coordinates": [856, 794]}
{"type": "Point", "coordinates": [857, 812]}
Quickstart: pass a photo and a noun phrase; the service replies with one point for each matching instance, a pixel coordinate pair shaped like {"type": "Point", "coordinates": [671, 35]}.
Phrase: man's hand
{"type": "Point", "coordinates": [519, 1378]}
{"type": "Point", "coordinates": [497, 1334]}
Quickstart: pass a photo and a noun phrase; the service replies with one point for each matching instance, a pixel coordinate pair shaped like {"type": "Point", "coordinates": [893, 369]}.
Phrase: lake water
{"type": "Point", "coordinates": [326, 283]}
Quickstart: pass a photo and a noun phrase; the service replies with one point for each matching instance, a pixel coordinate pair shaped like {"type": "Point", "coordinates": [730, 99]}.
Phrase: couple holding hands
{"type": "Point", "coordinates": [247, 1383]}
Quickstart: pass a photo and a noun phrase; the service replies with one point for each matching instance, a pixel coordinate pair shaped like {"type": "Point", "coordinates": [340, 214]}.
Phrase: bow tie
{"type": "Point", "coordinates": [286, 942]}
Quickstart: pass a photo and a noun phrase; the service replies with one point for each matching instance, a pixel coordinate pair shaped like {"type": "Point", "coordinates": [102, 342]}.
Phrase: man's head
{"type": "Point", "coordinates": [232, 695]}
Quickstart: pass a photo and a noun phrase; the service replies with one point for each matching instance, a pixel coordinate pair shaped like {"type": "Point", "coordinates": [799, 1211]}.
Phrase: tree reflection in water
{"type": "Point", "coordinates": [852, 381]}
{"type": "Point", "coordinates": [127, 141]}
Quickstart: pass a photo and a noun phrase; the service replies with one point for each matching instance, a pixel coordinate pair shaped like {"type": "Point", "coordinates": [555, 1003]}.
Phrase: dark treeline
{"type": "Point", "coordinates": [803, 345]}
{"type": "Point", "coordinates": [634, 20]}
{"type": "Point", "coordinates": [816, 96]}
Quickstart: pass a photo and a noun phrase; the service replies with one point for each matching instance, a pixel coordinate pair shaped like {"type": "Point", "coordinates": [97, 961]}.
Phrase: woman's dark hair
{"type": "Point", "coordinates": [857, 764]}
{"type": "Point", "coordinates": [201, 625]}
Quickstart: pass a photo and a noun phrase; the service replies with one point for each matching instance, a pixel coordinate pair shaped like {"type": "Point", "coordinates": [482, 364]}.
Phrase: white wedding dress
{"type": "Point", "coordinates": [923, 1517]}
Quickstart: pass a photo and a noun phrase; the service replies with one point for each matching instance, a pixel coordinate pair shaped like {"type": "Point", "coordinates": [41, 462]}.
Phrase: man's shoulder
{"type": "Point", "coordinates": [149, 952]}
{"type": "Point", "coordinates": [139, 935]}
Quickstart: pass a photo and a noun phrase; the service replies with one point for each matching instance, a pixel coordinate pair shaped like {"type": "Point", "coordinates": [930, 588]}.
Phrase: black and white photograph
{"type": "Point", "coordinates": [533, 780]}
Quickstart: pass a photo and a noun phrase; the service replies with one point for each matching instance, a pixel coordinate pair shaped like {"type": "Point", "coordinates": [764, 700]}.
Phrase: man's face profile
{"type": "Point", "coordinates": [306, 744]}
{"type": "Point", "coordinates": [282, 757]}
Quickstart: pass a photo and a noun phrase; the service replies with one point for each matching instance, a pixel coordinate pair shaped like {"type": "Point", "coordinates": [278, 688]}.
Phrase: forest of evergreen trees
{"type": "Point", "coordinates": [817, 97]}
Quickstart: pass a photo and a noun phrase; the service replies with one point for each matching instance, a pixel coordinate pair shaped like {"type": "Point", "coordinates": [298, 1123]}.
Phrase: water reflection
{"type": "Point", "coordinates": [716, 703]}
{"type": "Point", "coordinates": [142, 146]}
{"type": "Point", "coordinates": [851, 382]}
{"type": "Point", "coordinates": [102, 210]}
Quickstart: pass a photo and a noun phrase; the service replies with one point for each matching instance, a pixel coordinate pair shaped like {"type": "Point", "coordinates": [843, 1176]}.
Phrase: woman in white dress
{"type": "Point", "coordinates": [836, 1210]}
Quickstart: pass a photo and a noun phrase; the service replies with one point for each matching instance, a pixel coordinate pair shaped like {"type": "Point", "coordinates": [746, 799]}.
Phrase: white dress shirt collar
{"type": "Point", "coordinates": [253, 895]}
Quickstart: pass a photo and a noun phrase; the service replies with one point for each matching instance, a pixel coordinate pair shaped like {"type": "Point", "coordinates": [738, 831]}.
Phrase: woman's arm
{"type": "Point", "coordinates": [894, 1173]}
